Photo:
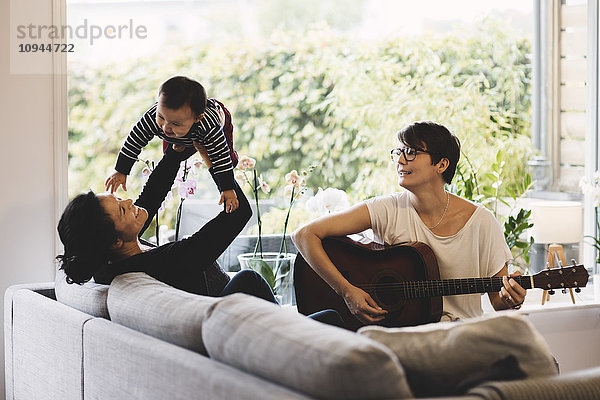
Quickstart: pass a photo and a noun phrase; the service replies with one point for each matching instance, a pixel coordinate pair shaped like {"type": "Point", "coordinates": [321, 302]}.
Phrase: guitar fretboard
{"type": "Point", "coordinates": [450, 287]}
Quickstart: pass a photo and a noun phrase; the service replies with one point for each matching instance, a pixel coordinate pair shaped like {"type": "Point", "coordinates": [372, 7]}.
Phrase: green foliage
{"type": "Point", "coordinates": [596, 241]}
{"type": "Point", "coordinates": [492, 193]}
{"type": "Point", "coordinates": [316, 98]}
{"type": "Point", "coordinates": [514, 227]}
{"type": "Point", "coordinates": [264, 270]}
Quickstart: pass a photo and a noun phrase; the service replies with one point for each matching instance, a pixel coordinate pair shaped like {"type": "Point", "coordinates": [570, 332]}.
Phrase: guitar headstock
{"type": "Point", "coordinates": [561, 278]}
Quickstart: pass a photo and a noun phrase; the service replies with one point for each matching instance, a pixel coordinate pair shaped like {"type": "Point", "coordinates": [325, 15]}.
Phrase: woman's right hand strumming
{"type": "Point", "coordinates": [362, 305]}
{"type": "Point", "coordinates": [308, 240]}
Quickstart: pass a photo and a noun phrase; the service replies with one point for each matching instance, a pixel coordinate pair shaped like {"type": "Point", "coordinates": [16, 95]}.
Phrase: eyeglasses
{"type": "Point", "coordinates": [409, 153]}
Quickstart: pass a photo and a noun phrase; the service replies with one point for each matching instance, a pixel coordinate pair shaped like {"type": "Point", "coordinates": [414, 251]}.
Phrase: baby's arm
{"type": "Point", "coordinates": [139, 136]}
{"type": "Point", "coordinates": [228, 197]}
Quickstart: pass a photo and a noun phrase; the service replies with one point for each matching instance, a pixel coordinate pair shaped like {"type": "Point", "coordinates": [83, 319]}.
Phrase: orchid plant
{"type": "Point", "coordinates": [248, 165]}
{"type": "Point", "coordinates": [185, 185]}
{"type": "Point", "coordinates": [295, 187]}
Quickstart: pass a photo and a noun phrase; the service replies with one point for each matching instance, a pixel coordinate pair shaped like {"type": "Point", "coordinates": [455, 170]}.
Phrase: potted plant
{"type": "Point", "coordinates": [275, 266]}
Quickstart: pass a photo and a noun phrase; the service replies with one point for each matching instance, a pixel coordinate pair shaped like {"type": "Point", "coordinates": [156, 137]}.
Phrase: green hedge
{"type": "Point", "coordinates": [318, 98]}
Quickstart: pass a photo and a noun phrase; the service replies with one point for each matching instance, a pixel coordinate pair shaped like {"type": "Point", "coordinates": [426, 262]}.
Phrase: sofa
{"type": "Point", "coordinates": [142, 339]}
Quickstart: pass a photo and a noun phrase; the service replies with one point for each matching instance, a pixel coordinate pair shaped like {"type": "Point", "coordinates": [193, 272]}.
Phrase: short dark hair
{"type": "Point", "coordinates": [437, 140]}
{"type": "Point", "coordinates": [180, 90]}
{"type": "Point", "coordinates": [87, 233]}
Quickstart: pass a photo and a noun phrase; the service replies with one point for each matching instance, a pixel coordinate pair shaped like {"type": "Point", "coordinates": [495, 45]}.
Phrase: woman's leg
{"type": "Point", "coordinates": [329, 317]}
{"type": "Point", "coordinates": [250, 282]}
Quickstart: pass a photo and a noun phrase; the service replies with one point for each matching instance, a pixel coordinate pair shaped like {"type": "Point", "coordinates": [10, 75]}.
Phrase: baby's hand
{"type": "Point", "coordinates": [230, 199]}
{"type": "Point", "coordinates": [114, 181]}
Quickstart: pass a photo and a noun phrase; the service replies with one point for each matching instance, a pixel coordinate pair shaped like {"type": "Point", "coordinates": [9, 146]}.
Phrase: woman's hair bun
{"type": "Point", "coordinates": [79, 269]}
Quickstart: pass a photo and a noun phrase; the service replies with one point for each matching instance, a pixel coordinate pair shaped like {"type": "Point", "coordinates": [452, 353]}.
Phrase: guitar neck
{"type": "Point", "coordinates": [450, 287]}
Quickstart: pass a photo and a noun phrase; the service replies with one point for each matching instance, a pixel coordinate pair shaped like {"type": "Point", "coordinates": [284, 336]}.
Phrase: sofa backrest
{"type": "Point", "coordinates": [261, 339]}
{"type": "Point", "coordinates": [319, 360]}
{"type": "Point", "coordinates": [89, 298]}
{"type": "Point", "coordinates": [140, 302]}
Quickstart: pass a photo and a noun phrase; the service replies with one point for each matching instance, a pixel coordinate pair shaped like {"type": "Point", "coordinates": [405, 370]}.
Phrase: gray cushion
{"type": "Point", "coordinates": [89, 298]}
{"type": "Point", "coordinates": [119, 363]}
{"type": "Point", "coordinates": [145, 304]}
{"type": "Point", "coordinates": [317, 359]}
{"type": "Point", "coordinates": [449, 352]}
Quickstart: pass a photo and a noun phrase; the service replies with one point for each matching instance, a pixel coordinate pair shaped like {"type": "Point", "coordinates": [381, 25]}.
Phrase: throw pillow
{"type": "Point", "coordinates": [448, 358]}
{"type": "Point", "coordinates": [138, 301]}
{"type": "Point", "coordinates": [89, 298]}
{"type": "Point", "coordinates": [280, 345]}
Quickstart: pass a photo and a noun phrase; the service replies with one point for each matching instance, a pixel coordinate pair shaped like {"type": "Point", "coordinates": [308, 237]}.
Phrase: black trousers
{"type": "Point", "coordinates": [250, 282]}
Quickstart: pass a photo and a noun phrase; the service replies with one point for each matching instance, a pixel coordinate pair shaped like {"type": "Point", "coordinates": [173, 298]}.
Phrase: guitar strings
{"type": "Point", "coordinates": [420, 289]}
{"type": "Point", "coordinates": [446, 282]}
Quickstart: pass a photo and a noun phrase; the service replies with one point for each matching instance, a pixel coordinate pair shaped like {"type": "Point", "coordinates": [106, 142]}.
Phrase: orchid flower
{"type": "Point", "coordinates": [197, 165]}
{"type": "Point", "coordinates": [245, 163]}
{"type": "Point", "coordinates": [264, 186]}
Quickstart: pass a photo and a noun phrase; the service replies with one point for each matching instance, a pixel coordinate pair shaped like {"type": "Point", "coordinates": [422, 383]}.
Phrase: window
{"type": "Point", "coordinates": [560, 118]}
{"type": "Point", "coordinates": [360, 71]}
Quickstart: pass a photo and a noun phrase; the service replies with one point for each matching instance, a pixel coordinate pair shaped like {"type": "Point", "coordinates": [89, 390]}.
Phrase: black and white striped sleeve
{"type": "Point", "coordinates": [141, 133]}
{"type": "Point", "coordinates": [216, 146]}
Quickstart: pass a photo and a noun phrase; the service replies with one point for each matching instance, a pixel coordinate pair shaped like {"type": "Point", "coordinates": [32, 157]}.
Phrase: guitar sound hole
{"type": "Point", "coordinates": [386, 293]}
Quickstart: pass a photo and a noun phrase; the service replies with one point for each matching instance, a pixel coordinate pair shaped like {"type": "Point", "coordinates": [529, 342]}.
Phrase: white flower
{"type": "Point", "coordinates": [294, 179]}
{"type": "Point", "coordinates": [313, 205]}
{"type": "Point", "coordinates": [264, 186]}
{"type": "Point", "coordinates": [240, 177]}
{"type": "Point", "coordinates": [287, 191]}
{"type": "Point", "coordinates": [246, 162]}
{"type": "Point", "coordinates": [186, 188]}
{"type": "Point", "coordinates": [328, 201]}
{"type": "Point", "coordinates": [197, 165]}
{"type": "Point", "coordinates": [592, 189]}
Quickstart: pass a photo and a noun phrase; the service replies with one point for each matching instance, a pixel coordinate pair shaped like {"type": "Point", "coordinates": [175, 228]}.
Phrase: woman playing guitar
{"type": "Point", "coordinates": [465, 237]}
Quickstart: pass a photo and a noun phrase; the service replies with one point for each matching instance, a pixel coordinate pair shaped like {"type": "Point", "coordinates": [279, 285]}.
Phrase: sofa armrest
{"type": "Point", "coordinates": [44, 288]}
{"type": "Point", "coordinates": [580, 385]}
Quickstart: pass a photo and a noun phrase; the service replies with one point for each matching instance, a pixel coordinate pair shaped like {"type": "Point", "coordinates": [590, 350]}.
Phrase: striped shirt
{"type": "Point", "coordinates": [207, 131]}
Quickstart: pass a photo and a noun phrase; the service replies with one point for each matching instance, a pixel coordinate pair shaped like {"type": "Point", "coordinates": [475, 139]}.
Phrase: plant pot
{"type": "Point", "coordinates": [278, 271]}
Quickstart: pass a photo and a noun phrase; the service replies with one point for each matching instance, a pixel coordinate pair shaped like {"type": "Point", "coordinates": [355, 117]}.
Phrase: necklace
{"type": "Point", "coordinates": [443, 214]}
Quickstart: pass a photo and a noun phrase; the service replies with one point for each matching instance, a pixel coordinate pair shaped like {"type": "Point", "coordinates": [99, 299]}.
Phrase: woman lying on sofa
{"type": "Point", "coordinates": [100, 234]}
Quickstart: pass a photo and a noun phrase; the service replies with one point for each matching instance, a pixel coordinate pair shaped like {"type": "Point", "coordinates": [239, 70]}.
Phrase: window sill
{"type": "Point", "coordinates": [589, 297]}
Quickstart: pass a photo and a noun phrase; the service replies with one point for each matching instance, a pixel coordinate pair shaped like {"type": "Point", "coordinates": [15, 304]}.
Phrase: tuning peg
{"type": "Point", "coordinates": [577, 290]}
{"type": "Point", "coordinates": [551, 291]}
{"type": "Point", "coordinates": [573, 262]}
{"type": "Point", "coordinates": [564, 291]}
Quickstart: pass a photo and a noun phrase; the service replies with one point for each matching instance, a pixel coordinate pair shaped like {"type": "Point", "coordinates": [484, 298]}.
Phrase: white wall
{"type": "Point", "coordinates": [27, 226]}
{"type": "Point", "coordinates": [572, 335]}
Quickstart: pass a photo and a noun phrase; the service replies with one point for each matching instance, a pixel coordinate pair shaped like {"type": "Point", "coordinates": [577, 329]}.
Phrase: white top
{"type": "Point", "coordinates": [477, 250]}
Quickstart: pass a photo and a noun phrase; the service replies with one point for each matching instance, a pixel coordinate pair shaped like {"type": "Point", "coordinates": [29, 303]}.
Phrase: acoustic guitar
{"type": "Point", "coordinates": [404, 279]}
